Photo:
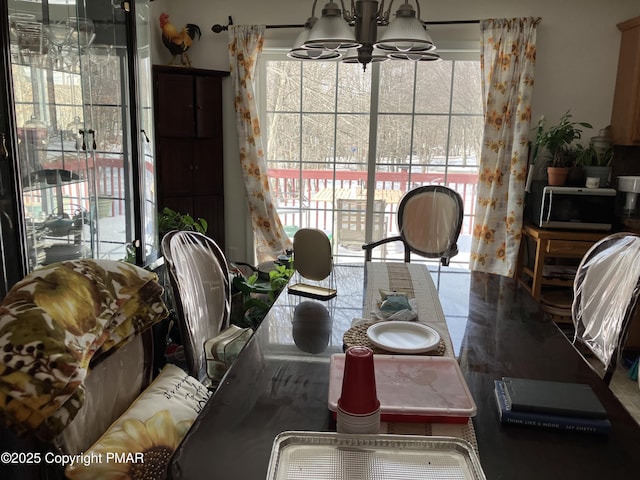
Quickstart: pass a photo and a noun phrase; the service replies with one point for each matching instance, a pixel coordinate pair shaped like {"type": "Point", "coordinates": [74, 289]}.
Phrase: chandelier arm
{"type": "Point", "coordinates": [386, 16]}
{"type": "Point", "coordinates": [349, 15]}
{"type": "Point", "coordinates": [380, 13]}
{"type": "Point", "coordinates": [313, 8]}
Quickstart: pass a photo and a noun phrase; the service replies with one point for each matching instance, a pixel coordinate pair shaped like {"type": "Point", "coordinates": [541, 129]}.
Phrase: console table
{"type": "Point", "coordinates": [549, 243]}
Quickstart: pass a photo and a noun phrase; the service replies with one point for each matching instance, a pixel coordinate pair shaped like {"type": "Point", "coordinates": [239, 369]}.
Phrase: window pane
{"type": "Point", "coordinates": [433, 87]}
{"type": "Point", "coordinates": [317, 137]}
{"type": "Point", "coordinates": [430, 144]}
{"type": "Point", "coordinates": [396, 87]}
{"type": "Point", "coordinates": [283, 85]}
{"type": "Point", "coordinates": [354, 89]}
{"type": "Point", "coordinates": [352, 138]}
{"type": "Point", "coordinates": [318, 86]}
{"type": "Point", "coordinates": [465, 140]}
{"type": "Point", "coordinates": [283, 134]}
{"type": "Point", "coordinates": [467, 88]}
{"type": "Point", "coordinates": [394, 140]}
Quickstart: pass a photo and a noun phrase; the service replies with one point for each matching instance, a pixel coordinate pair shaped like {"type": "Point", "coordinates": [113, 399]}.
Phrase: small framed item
{"type": "Point", "coordinates": [312, 291]}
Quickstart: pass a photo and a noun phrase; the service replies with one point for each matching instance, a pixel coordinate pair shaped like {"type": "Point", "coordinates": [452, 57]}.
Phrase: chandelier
{"type": "Point", "coordinates": [330, 36]}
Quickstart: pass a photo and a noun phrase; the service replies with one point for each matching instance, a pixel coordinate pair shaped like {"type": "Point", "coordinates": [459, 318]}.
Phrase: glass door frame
{"type": "Point", "coordinates": [13, 253]}
{"type": "Point", "coordinates": [139, 177]}
{"type": "Point", "coordinates": [136, 134]}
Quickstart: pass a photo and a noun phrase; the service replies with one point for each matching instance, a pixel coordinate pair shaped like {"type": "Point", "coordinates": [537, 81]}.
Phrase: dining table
{"type": "Point", "coordinates": [489, 323]}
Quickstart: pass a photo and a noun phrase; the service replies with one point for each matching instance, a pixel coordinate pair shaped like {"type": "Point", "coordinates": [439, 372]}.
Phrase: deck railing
{"type": "Point", "coordinates": [294, 191]}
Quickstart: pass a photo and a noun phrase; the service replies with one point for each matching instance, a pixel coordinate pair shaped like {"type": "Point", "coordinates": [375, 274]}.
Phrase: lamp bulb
{"type": "Point", "coordinates": [404, 46]}
{"type": "Point", "coordinates": [314, 53]}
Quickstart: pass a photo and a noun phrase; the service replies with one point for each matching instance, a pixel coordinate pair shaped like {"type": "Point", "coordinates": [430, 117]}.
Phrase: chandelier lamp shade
{"type": "Point", "coordinates": [330, 36]}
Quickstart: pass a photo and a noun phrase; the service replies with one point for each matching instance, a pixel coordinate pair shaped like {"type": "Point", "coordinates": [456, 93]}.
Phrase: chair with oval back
{"type": "Point", "coordinates": [429, 222]}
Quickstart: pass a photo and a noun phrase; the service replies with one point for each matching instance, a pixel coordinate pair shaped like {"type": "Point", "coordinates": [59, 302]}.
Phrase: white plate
{"type": "Point", "coordinates": [403, 337]}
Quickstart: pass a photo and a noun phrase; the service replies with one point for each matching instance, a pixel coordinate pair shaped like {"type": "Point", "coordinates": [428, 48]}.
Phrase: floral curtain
{"type": "Point", "coordinates": [245, 44]}
{"type": "Point", "coordinates": [508, 52]}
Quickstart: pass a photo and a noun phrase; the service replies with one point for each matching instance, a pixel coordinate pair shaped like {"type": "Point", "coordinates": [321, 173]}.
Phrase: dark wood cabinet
{"type": "Point", "coordinates": [188, 110]}
{"type": "Point", "coordinates": [625, 115]}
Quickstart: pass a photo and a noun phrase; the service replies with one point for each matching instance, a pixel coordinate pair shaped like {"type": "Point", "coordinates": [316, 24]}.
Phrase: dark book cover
{"type": "Point", "coordinates": [557, 398]}
{"type": "Point", "coordinates": [557, 422]}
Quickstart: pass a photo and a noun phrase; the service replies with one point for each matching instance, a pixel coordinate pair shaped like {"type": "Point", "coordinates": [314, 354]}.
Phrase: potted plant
{"type": "Point", "coordinates": [169, 220]}
{"type": "Point", "coordinates": [596, 163]}
{"type": "Point", "coordinates": [557, 140]}
{"type": "Point", "coordinates": [258, 295]}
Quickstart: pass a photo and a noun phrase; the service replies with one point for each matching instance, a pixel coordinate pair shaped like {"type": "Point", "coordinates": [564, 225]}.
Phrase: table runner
{"type": "Point", "coordinates": [416, 281]}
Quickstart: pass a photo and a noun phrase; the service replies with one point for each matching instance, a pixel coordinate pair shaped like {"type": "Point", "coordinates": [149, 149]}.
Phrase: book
{"type": "Point", "coordinates": [558, 398]}
{"type": "Point", "coordinates": [600, 426]}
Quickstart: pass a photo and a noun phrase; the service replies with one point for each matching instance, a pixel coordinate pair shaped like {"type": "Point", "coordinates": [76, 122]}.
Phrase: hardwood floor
{"type": "Point", "coordinates": [627, 391]}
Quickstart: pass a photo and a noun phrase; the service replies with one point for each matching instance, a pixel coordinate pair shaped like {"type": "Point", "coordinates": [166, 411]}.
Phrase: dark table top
{"type": "Point", "coordinates": [280, 382]}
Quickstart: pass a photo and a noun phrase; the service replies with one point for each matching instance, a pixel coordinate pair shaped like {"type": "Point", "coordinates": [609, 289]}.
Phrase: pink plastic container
{"type": "Point", "coordinates": [413, 388]}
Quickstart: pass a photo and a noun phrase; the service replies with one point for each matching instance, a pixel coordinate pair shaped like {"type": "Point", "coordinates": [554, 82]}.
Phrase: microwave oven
{"type": "Point", "coordinates": [575, 208]}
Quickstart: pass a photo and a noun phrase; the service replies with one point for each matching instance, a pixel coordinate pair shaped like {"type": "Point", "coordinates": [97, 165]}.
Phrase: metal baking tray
{"type": "Point", "coordinates": [333, 456]}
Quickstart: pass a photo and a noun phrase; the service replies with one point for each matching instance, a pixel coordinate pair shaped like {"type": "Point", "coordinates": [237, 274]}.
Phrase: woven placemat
{"type": "Point", "coordinates": [357, 336]}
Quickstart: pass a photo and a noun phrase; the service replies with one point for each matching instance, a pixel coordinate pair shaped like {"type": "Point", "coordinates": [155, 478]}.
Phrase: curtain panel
{"type": "Point", "coordinates": [508, 52]}
{"type": "Point", "coordinates": [245, 44]}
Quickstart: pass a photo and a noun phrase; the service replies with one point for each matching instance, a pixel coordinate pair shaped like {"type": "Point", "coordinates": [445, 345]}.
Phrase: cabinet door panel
{"type": "Point", "coordinates": [207, 167]}
{"type": "Point", "coordinates": [625, 114]}
{"type": "Point", "coordinates": [183, 205]}
{"type": "Point", "coordinates": [211, 208]}
{"type": "Point", "coordinates": [175, 167]}
{"type": "Point", "coordinates": [209, 107]}
{"type": "Point", "coordinates": [175, 96]}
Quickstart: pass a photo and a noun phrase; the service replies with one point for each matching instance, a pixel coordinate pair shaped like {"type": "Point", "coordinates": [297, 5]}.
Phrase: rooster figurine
{"type": "Point", "coordinates": [178, 42]}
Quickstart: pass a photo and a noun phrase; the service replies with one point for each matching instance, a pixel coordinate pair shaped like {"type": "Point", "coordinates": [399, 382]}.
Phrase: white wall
{"type": "Point", "coordinates": [576, 63]}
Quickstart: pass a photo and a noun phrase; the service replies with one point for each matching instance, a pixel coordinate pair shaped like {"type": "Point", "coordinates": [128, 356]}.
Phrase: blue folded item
{"type": "Point", "coordinates": [393, 304]}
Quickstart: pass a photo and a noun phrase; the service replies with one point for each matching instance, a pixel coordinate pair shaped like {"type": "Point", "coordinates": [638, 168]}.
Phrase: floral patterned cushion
{"type": "Point", "coordinates": [53, 323]}
{"type": "Point", "coordinates": [141, 442]}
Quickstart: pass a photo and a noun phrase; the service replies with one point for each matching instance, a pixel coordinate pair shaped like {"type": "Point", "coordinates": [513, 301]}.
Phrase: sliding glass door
{"type": "Point", "coordinates": [333, 131]}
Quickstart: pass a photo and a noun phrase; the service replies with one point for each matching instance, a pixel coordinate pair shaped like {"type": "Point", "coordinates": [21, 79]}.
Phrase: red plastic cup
{"type": "Point", "coordinates": [359, 396]}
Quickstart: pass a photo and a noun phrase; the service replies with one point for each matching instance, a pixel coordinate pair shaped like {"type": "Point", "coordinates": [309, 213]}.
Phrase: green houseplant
{"type": "Point", "coordinates": [258, 296]}
{"type": "Point", "coordinates": [169, 220]}
{"type": "Point", "coordinates": [595, 162]}
{"type": "Point", "coordinates": [557, 140]}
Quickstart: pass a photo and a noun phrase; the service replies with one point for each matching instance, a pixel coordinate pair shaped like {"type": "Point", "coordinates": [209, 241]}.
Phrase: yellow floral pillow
{"type": "Point", "coordinates": [141, 442]}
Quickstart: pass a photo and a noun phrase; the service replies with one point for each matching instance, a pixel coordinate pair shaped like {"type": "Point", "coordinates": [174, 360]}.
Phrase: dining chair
{"type": "Point", "coordinates": [199, 276]}
{"type": "Point", "coordinates": [429, 221]}
{"type": "Point", "coordinates": [129, 369]}
{"type": "Point", "coordinates": [351, 216]}
{"type": "Point", "coordinates": [605, 298]}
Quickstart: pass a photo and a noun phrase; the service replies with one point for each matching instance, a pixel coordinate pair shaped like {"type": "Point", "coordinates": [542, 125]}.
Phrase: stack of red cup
{"type": "Point", "coordinates": [358, 405]}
